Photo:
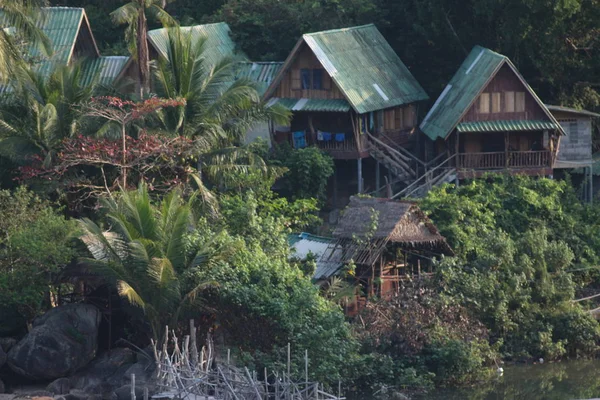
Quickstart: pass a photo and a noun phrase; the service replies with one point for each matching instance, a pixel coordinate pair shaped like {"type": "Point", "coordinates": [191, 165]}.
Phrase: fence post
{"type": "Point", "coordinates": [132, 386]}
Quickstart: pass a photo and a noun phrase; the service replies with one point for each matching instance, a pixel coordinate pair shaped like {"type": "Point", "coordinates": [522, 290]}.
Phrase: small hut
{"type": "Point", "coordinates": [388, 241]}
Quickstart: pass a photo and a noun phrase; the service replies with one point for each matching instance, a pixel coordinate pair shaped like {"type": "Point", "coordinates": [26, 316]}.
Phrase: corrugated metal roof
{"type": "Point", "coordinates": [106, 69]}
{"type": "Point", "coordinates": [365, 68]}
{"type": "Point", "coordinates": [262, 73]}
{"type": "Point", "coordinates": [504, 126]}
{"type": "Point", "coordinates": [316, 105]}
{"type": "Point", "coordinates": [471, 78]}
{"type": "Point", "coordinates": [61, 26]}
{"type": "Point", "coordinates": [304, 243]}
{"type": "Point", "coordinates": [573, 111]}
{"type": "Point", "coordinates": [218, 40]}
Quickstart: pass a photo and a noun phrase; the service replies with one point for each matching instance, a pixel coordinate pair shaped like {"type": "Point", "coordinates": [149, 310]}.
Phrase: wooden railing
{"type": "Point", "coordinates": [348, 145]}
{"type": "Point", "coordinates": [499, 160]}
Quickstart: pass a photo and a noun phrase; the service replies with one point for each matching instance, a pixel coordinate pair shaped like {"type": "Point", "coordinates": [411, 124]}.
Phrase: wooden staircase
{"type": "Point", "coordinates": [398, 161]}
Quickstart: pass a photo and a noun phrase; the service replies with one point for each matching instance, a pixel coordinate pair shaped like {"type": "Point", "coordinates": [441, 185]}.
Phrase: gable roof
{"type": "Point", "coordinates": [62, 26]}
{"type": "Point", "coordinates": [217, 36]}
{"type": "Point", "coordinates": [363, 66]}
{"type": "Point", "coordinates": [261, 73]}
{"type": "Point", "coordinates": [476, 71]}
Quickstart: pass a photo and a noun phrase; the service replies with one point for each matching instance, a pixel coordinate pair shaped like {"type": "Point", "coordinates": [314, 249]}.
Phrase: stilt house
{"type": "Point", "coordinates": [489, 119]}
{"type": "Point", "coordinates": [386, 240]}
{"type": "Point", "coordinates": [350, 95]}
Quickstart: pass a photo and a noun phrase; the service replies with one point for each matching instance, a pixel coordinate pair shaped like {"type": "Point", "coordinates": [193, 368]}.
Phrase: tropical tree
{"type": "Point", "coordinates": [41, 111]}
{"type": "Point", "coordinates": [18, 24]}
{"type": "Point", "coordinates": [144, 253]}
{"type": "Point", "coordinates": [134, 15]}
{"type": "Point", "coordinates": [219, 109]}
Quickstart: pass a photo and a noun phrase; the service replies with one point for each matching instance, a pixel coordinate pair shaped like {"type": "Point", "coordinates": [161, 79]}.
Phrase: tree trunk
{"type": "Point", "coordinates": [142, 53]}
{"type": "Point", "coordinates": [124, 150]}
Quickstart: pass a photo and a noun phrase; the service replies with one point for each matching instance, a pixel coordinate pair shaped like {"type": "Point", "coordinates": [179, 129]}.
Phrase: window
{"type": "Point", "coordinates": [311, 79]}
{"type": "Point", "coordinates": [520, 101]}
{"type": "Point", "coordinates": [389, 120]}
{"type": "Point", "coordinates": [306, 78]}
{"type": "Point", "coordinates": [484, 103]}
{"type": "Point", "coordinates": [408, 117]}
{"type": "Point", "coordinates": [398, 120]}
{"type": "Point", "coordinates": [317, 82]}
{"type": "Point", "coordinates": [296, 82]}
{"type": "Point", "coordinates": [496, 103]}
{"type": "Point", "coordinates": [509, 101]}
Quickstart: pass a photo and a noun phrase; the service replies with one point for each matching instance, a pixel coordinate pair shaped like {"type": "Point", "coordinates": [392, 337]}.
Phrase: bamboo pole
{"type": "Point", "coordinates": [132, 386]}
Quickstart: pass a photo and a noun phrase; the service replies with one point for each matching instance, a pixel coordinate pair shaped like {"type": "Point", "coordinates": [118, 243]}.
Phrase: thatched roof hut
{"type": "Point", "coordinates": [369, 225]}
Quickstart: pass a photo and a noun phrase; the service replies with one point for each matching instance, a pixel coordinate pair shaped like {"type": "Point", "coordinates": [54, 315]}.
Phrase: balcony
{"type": "Point", "coordinates": [505, 160]}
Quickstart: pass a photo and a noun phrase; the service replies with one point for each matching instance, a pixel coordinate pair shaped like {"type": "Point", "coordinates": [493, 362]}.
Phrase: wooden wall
{"type": "Point", "coordinates": [506, 81]}
{"type": "Point", "coordinates": [305, 59]}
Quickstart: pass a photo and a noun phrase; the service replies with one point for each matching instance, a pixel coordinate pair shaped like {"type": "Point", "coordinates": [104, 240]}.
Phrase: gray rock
{"type": "Point", "coordinates": [12, 322]}
{"type": "Point", "coordinates": [144, 372]}
{"type": "Point", "coordinates": [2, 387]}
{"type": "Point", "coordinates": [39, 393]}
{"type": "Point", "coordinates": [76, 394]}
{"type": "Point", "coordinates": [7, 343]}
{"type": "Point", "coordinates": [3, 356]}
{"type": "Point", "coordinates": [95, 397]}
{"type": "Point", "coordinates": [61, 342]}
{"type": "Point", "coordinates": [60, 386]}
{"type": "Point", "coordinates": [124, 392]}
{"type": "Point", "coordinates": [105, 373]}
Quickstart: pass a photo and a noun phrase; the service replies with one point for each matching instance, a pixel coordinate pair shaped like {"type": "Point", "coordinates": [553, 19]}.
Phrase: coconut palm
{"type": "Point", "coordinates": [18, 25]}
{"type": "Point", "coordinates": [41, 111]}
{"type": "Point", "coordinates": [134, 15]}
{"type": "Point", "coordinates": [219, 109]}
{"type": "Point", "coordinates": [144, 253]}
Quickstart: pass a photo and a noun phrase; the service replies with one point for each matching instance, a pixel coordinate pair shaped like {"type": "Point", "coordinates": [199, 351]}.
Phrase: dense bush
{"type": "Point", "coordinates": [36, 243]}
{"type": "Point", "coordinates": [517, 240]}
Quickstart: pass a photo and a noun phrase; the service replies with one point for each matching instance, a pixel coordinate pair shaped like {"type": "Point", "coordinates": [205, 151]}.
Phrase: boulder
{"type": "Point", "coordinates": [7, 343]}
{"type": "Point", "coordinates": [12, 322]}
{"type": "Point", "coordinates": [59, 386]}
{"type": "Point", "coordinates": [124, 392]}
{"type": "Point", "coordinates": [61, 342]}
{"type": "Point", "coordinates": [105, 373]}
{"type": "Point", "coordinates": [2, 387]}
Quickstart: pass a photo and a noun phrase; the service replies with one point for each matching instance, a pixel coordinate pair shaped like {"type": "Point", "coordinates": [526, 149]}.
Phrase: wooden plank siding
{"type": "Point", "coordinates": [500, 106]}
{"type": "Point", "coordinates": [576, 145]}
{"type": "Point", "coordinates": [306, 60]}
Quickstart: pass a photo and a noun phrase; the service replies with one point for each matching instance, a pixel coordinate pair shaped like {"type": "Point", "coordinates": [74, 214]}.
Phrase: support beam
{"type": "Point", "coordinates": [377, 176]}
{"type": "Point", "coordinates": [359, 175]}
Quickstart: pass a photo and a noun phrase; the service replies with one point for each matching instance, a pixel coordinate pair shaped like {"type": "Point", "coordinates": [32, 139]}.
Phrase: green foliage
{"type": "Point", "coordinates": [263, 301]}
{"type": "Point", "coordinates": [308, 171]}
{"type": "Point", "coordinates": [516, 241]}
{"type": "Point", "coordinates": [36, 243]}
{"type": "Point", "coordinates": [145, 254]}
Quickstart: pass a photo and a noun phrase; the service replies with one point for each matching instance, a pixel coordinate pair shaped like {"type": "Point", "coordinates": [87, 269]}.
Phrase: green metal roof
{"type": "Point", "coordinates": [503, 126]}
{"type": "Point", "coordinates": [573, 111]}
{"type": "Point", "coordinates": [471, 78]}
{"type": "Point", "coordinates": [217, 36]}
{"type": "Point", "coordinates": [262, 73]}
{"type": "Point", "coordinates": [106, 69]}
{"type": "Point", "coordinates": [365, 68]}
{"type": "Point", "coordinates": [324, 105]}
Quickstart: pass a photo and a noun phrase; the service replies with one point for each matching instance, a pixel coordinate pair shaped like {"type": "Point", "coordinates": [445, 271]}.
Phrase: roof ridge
{"type": "Point", "coordinates": [350, 28]}
{"type": "Point", "coordinates": [62, 8]}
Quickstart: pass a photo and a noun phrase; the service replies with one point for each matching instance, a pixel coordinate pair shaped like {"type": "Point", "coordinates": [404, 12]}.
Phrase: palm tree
{"type": "Point", "coordinates": [18, 23]}
{"type": "Point", "coordinates": [144, 253]}
{"type": "Point", "coordinates": [134, 15]}
{"type": "Point", "coordinates": [219, 109]}
{"type": "Point", "coordinates": [41, 111]}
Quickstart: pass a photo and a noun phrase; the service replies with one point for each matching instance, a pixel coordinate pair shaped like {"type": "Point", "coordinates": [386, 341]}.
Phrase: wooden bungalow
{"type": "Point", "coordinates": [489, 119]}
{"type": "Point", "coordinates": [388, 241]}
{"type": "Point", "coordinates": [350, 95]}
{"type": "Point", "coordinates": [70, 34]}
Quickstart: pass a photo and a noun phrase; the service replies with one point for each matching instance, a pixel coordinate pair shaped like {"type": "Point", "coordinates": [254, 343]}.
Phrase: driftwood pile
{"type": "Point", "coordinates": [185, 373]}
